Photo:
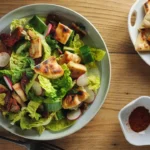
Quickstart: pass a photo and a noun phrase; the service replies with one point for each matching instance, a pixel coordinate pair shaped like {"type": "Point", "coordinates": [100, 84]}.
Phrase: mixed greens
{"type": "Point", "coordinates": [48, 75]}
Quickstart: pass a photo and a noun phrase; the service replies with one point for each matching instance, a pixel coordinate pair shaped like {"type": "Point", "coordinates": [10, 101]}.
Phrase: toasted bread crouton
{"type": "Point", "coordinates": [67, 57]}
{"type": "Point", "coordinates": [76, 69]}
{"type": "Point", "coordinates": [62, 33]}
{"type": "Point", "coordinates": [19, 91]}
{"type": "Point", "coordinates": [18, 99]}
{"type": "Point", "coordinates": [49, 68]}
{"type": "Point", "coordinates": [141, 44]}
{"type": "Point", "coordinates": [147, 6]}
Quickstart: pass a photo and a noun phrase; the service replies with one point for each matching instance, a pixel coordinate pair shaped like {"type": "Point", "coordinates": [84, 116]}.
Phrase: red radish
{"type": "Point", "coordinates": [82, 80]}
{"type": "Point", "coordinates": [4, 59]}
{"type": "Point", "coordinates": [8, 82]}
{"type": "Point", "coordinates": [37, 88]}
{"type": "Point", "coordinates": [91, 97]}
{"type": "Point", "coordinates": [48, 30]}
{"type": "Point", "coordinates": [74, 114]}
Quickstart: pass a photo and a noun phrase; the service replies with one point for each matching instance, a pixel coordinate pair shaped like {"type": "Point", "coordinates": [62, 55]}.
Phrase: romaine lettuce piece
{"type": "Point", "coordinates": [46, 50]}
{"type": "Point", "coordinates": [19, 23]}
{"type": "Point", "coordinates": [40, 129]}
{"type": "Point", "coordinates": [76, 43]}
{"type": "Point", "coordinates": [32, 108]}
{"type": "Point", "coordinates": [63, 84]}
{"type": "Point", "coordinates": [97, 54]}
{"type": "Point", "coordinates": [26, 112]}
{"type": "Point", "coordinates": [27, 123]}
{"type": "Point", "coordinates": [93, 82]}
{"type": "Point", "coordinates": [29, 85]}
{"type": "Point", "coordinates": [20, 64]}
{"type": "Point", "coordinates": [58, 125]}
{"type": "Point", "coordinates": [45, 83]}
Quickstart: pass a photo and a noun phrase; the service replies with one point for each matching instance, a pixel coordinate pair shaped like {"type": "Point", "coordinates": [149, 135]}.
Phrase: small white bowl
{"type": "Point", "coordinates": [138, 139]}
{"type": "Point", "coordinates": [137, 9]}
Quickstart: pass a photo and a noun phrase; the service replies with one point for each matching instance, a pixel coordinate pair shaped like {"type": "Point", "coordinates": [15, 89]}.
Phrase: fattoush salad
{"type": "Point", "coordinates": [48, 75]}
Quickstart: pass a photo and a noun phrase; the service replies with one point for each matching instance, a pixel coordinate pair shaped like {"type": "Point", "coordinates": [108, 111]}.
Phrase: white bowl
{"type": "Point", "coordinates": [138, 139]}
{"type": "Point", "coordinates": [138, 9]}
{"type": "Point", "coordinates": [94, 39]}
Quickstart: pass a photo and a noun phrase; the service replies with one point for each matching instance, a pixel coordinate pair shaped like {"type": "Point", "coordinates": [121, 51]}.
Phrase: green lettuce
{"type": "Point", "coordinates": [93, 82]}
{"type": "Point", "coordinates": [40, 129]}
{"type": "Point", "coordinates": [26, 112]}
{"type": "Point", "coordinates": [18, 23]}
{"type": "Point", "coordinates": [27, 123]}
{"type": "Point", "coordinates": [52, 43]}
{"type": "Point", "coordinates": [97, 54]}
{"type": "Point", "coordinates": [29, 85]}
{"type": "Point", "coordinates": [2, 101]}
{"type": "Point", "coordinates": [76, 43]}
{"type": "Point", "coordinates": [46, 50]}
{"type": "Point", "coordinates": [20, 64]}
{"type": "Point", "coordinates": [63, 84]}
{"type": "Point", "coordinates": [58, 125]}
{"type": "Point", "coordinates": [45, 83]}
{"type": "Point", "coordinates": [32, 108]}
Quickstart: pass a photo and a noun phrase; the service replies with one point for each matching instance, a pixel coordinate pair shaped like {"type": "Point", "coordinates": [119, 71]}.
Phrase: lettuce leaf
{"type": "Point", "coordinates": [46, 50]}
{"type": "Point", "coordinates": [93, 82]}
{"type": "Point", "coordinates": [58, 125]}
{"type": "Point", "coordinates": [32, 108]}
{"type": "Point", "coordinates": [26, 112]}
{"type": "Point", "coordinates": [40, 129]}
{"type": "Point", "coordinates": [2, 96]}
{"type": "Point", "coordinates": [76, 43]}
{"type": "Point", "coordinates": [29, 85]}
{"type": "Point", "coordinates": [19, 23]}
{"type": "Point", "coordinates": [27, 123]}
{"type": "Point", "coordinates": [45, 83]}
{"type": "Point", "coordinates": [20, 64]}
{"type": "Point", "coordinates": [63, 84]}
{"type": "Point", "coordinates": [97, 54]}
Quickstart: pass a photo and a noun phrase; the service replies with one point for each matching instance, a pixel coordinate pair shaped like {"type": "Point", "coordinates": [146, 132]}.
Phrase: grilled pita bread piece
{"type": "Point", "coordinates": [146, 22]}
{"type": "Point", "coordinates": [49, 68]}
{"type": "Point", "coordinates": [147, 6]}
{"type": "Point", "coordinates": [142, 44]}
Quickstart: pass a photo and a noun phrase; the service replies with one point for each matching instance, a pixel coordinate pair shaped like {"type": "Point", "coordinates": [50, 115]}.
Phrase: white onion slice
{"type": "Point", "coordinates": [37, 88]}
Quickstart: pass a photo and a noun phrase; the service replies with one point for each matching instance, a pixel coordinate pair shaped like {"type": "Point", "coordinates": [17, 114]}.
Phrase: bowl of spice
{"type": "Point", "coordinates": [134, 119]}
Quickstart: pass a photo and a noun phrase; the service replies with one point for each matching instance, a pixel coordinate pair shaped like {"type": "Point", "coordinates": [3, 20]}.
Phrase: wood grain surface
{"type": "Point", "coordinates": [130, 75]}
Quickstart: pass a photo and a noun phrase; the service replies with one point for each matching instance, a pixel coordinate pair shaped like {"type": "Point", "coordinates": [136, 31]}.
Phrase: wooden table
{"type": "Point", "coordinates": [130, 75]}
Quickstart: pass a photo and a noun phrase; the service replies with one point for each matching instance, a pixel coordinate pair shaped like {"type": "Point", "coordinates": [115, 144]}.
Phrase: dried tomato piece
{"type": "Point", "coordinates": [7, 39]}
{"type": "Point", "coordinates": [17, 33]}
{"type": "Point", "coordinates": [24, 81]}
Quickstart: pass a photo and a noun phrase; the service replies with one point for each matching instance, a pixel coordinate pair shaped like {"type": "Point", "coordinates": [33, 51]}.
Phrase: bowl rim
{"type": "Point", "coordinates": [109, 68]}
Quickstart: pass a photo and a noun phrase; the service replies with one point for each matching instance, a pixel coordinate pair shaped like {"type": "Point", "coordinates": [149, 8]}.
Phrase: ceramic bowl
{"type": "Point", "coordinates": [93, 38]}
{"type": "Point", "coordinates": [138, 10]}
{"type": "Point", "coordinates": [134, 138]}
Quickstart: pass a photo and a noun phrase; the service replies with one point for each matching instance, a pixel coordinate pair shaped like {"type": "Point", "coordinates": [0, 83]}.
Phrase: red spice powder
{"type": "Point", "coordinates": [139, 119]}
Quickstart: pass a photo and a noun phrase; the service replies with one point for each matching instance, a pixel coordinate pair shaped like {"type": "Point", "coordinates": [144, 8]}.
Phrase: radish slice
{"type": "Point", "coordinates": [48, 30]}
{"type": "Point", "coordinates": [74, 114]}
{"type": "Point", "coordinates": [82, 80]}
{"type": "Point", "coordinates": [91, 97]}
{"type": "Point", "coordinates": [4, 59]}
{"type": "Point", "coordinates": [8, 82]}
{"type": "Point", "coordinates": [37, 88]}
